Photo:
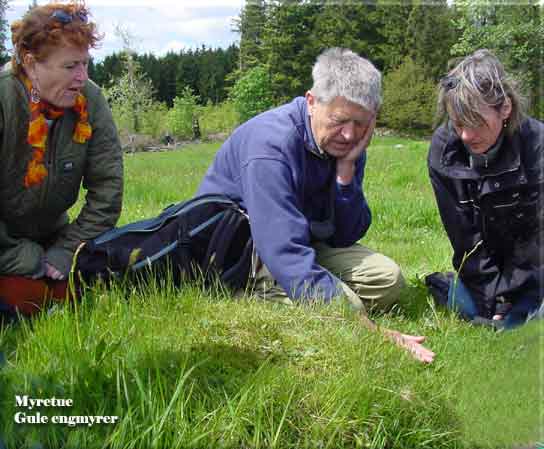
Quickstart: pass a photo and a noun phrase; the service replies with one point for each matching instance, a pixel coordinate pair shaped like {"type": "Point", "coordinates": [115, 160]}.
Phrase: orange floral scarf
{"type": "Point", "coordinates": [38, 130]}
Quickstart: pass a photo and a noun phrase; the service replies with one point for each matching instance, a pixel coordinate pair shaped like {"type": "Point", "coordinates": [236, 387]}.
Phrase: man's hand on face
{"type": "Point", "coordinates": [343, 130]}
{"type": "Point", "coordinates": [356, 151]}
{"type": "Point", "coordinates": [345, 165]}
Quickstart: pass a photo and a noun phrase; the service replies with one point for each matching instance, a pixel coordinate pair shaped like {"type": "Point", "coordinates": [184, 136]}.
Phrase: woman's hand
{"type": "Point", "coordinates": [53, 273]}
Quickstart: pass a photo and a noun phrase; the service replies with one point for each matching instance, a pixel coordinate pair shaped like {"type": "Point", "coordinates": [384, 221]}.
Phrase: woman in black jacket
{"type": "Point", "coordinates": [486, 164]}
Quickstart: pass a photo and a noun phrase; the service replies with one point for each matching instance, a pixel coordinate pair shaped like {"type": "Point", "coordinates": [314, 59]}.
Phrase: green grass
{"type": "Point", "coordinates": [192, 368]}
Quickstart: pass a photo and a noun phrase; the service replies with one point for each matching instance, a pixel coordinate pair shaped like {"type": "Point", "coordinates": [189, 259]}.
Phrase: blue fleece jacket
{"type": "Point", "coordinates": [272, 167]}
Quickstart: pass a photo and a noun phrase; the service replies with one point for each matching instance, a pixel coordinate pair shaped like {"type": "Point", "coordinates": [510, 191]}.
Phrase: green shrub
{"type": "Point", "coordinates": [150, 119]}
{"type": "Point", "coordinates": [122, 120]}
{"type": "Point", "coordinates": [217, 119]}
{"type": "Point", "coordinates": [180, 117]}
{"type": "Point", "coordinates": [130, 96]}
{"type": "Point", "coordinates": [153, 120]}
{"type": "Point", "coordinates": [252, 93]}
{"type": "Point", "coordinates": [409, 99]}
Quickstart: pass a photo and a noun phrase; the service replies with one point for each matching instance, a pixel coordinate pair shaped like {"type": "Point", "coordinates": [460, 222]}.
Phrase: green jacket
{"type": "Point", "coordinates": [34, 224]}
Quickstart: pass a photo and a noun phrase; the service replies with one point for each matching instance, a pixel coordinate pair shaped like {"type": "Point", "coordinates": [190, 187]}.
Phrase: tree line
{"type": "Point", "coordinates": [204, 70]}
{"type": "Point", "coordinates": [413, 42]}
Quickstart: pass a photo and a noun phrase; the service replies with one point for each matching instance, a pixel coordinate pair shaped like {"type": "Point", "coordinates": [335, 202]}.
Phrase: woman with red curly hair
{"type": "Point", "coordinates": [56, 133]}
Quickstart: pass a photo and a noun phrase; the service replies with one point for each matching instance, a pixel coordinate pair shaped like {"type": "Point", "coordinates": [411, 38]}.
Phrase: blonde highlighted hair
{"type": "Point", "coordinates": [479, 80]}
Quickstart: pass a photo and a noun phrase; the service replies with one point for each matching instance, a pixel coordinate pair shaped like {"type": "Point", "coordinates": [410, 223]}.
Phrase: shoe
{"type": "Point", "coordinates": [439, 284]}
{"type": "Point", "coordinates": [497, 325]}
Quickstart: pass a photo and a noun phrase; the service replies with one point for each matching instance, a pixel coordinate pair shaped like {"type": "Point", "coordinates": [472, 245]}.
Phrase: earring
{"type": "Point", "coordinates": [505, 123]}
{"type": "Point", "coordinates": [34, 95]}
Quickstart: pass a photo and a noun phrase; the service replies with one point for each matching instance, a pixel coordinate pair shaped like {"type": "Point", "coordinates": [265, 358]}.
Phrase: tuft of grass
{"type": "Point", "coordinates": [195, 368]}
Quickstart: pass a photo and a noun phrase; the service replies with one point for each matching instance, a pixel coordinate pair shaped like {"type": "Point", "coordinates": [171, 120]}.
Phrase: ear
{"type": "Point", "coordinates": [310, 102]}
{"type": "Point", "coordinates": [506, 109]}
{"type": "Point", "coordinates": [29, 64]}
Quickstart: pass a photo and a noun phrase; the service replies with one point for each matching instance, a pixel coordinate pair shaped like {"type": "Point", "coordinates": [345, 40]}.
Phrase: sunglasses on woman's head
{"type": "Point", "coordinates": [449, 82]}
{"type": "Point", "coordinates": [65, 17]}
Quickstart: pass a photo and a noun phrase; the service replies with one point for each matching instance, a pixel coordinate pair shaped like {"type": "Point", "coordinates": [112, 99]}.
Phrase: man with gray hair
{"type": "Point", "coordinates": [298, 172]}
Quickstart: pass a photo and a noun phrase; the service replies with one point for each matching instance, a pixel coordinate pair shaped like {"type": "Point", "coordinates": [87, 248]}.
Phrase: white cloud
{"type": "Point", "coordinates": [157, 26]}
{"type": "Point", "coordinates": [174, 46]}
{"type": "Point", "coordinates": [160, 3]}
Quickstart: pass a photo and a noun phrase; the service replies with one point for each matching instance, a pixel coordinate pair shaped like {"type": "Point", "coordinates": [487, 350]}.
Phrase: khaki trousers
{"type": "Point", "coordinates": [370, 280]}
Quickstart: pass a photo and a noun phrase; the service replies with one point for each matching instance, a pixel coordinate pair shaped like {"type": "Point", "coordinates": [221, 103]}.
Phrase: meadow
{"type": "Point", "coordinates": [195, 368]}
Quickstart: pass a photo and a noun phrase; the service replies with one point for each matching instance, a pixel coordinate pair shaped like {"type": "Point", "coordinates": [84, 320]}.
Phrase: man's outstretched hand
{"type": "Point", "coordinates": [411, 343]}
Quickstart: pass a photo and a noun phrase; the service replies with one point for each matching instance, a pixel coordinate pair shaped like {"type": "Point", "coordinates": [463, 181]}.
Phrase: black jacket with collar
{"type": "Point", "coordinates": [494, 216]}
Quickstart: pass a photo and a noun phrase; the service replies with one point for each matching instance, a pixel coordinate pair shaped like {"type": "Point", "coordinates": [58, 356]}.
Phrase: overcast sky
{"type": "Point", "coordinates": [157, 25]}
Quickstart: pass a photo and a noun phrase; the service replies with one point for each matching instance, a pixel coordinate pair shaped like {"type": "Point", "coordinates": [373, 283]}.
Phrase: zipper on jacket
{"type": "Point", "coordinates": [52, 137]}
{"type": "Point", "coordinates": [508, 170]}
